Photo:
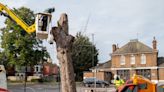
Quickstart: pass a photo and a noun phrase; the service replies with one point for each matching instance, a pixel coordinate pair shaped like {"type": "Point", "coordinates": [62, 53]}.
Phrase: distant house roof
{"type": "Point", "coordinates": [134, 46]}
{"type": "Point", "coordinates": [105, 65]}
{"type": "Point", "coordinates": [160, 61]}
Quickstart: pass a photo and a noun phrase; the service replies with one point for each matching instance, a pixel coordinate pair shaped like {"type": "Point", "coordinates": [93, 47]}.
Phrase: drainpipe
{"type": "Point", "coordinates": [158, 74]}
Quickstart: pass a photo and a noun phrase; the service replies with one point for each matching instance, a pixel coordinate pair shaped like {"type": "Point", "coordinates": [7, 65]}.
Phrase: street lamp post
{"type": "Point", "coordinates": [96, 70]}
{"type": "Point", "coordinates": [95, 79]}
{"type": "Point", "coordinates": [93, 63]}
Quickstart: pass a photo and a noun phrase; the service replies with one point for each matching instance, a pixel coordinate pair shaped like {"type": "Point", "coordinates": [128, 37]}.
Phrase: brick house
{"type": "Point", "coordinates": [137, 58]}
{"type": "Point", "coordinates": [50, 69]}
{"type": "Point", "coordinates": [101, 72]}
{"type": "Point", "coordinates": [47, 69]}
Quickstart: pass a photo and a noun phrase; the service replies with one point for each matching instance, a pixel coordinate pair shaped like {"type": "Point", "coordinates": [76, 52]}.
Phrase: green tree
{"type": "Point", "coordinates": [84, 55]}
{"type": "Point", "coordinates": [18, 47]}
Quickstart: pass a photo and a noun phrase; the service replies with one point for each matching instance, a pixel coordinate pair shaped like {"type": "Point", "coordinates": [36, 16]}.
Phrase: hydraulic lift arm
{"type": "Point", "coordinates": [4, 10]}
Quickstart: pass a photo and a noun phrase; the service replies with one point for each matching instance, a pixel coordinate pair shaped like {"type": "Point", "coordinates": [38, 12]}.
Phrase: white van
{"type": "Point", "coordinates": [3, 81]}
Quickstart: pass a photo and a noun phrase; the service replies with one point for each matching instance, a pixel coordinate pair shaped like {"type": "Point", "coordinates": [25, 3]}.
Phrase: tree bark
{"type": "Point", "coordinates": [64, 43]}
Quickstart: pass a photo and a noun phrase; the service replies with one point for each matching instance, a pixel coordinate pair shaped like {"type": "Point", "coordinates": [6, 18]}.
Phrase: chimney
{"type": "Point", "coordinates": [114, 47]}
{"type": "Point", "coordinates": [154, 43]}
{"type": "Point", "coordinates": [117, 47]}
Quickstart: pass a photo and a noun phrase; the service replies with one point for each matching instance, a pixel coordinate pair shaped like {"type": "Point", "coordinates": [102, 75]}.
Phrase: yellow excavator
{"type": "Point", "coordinates": [41, 26]}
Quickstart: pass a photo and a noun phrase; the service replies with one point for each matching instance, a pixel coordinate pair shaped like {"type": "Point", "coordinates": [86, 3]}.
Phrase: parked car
{"type": "Point", "coordinates": [88, 82]}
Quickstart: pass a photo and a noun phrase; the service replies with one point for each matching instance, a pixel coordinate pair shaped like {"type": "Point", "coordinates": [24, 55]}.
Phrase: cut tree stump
{"type": "Point", "coordinates": [64, 43]}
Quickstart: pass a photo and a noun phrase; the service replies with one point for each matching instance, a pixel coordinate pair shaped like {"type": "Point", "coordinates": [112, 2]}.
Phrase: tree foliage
{"type": "Point", "coordinates": [18, 47]}
{"type": "Point", "coordinates": [84, 55]}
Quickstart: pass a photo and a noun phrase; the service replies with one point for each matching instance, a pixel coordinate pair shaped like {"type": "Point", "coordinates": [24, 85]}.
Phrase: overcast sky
{"type": "Point", "coordinates": [111, 21]}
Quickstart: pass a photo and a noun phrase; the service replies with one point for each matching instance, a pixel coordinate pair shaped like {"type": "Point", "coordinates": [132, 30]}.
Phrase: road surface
{"type": "Point", "coordinates": [52, 88]}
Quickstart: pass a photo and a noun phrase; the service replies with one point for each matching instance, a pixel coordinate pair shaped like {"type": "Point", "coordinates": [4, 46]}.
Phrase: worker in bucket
{"type": "Point", "coordinates": [118, 81]}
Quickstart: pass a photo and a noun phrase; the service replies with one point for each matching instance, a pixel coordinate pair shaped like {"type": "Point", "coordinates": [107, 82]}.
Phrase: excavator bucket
{"type": "Point", "coordinates": [43, 21]}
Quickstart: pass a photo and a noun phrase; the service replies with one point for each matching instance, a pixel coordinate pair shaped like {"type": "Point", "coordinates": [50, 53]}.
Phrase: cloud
{"type": "Point", "coordinates": [14, 3]}
{"type": "Point", "coordinates": [112, 21]}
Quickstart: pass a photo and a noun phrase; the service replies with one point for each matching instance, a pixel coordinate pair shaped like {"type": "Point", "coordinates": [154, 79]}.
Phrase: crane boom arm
{"type": "Point", "coordinates": [17, 19]}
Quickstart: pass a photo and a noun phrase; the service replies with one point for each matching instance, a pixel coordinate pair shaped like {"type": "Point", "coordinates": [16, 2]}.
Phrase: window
{"type": "Point", "coordinates": [144, 72]}
{"type": "Point", "coordinates": [122, 60]}
{"type": "Point", "coordinates": [124, 74]}
{"type": "Point", "coordinates": [132, 59]}
{"type": "Point", "coordinates": [143, 59]}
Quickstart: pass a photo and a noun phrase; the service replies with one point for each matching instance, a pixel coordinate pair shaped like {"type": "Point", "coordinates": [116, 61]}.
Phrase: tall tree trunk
{"type": "Point", "coordinates": [64, 43]}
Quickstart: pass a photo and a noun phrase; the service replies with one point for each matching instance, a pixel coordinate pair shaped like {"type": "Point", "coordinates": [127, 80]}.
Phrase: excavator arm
{"type": "Point", "coordinates": [9, 13]}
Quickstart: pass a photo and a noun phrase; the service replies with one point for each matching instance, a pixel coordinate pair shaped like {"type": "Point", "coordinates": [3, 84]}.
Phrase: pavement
{"type": "Point", "coordinates": [108, 89]}
{"type": "Point", "coordinates": [33, 88]}
{"type": "Point", "coordinates": [51, 87]}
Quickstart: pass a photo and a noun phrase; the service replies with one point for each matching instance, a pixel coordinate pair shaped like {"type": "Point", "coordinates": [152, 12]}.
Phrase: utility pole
{"type": "Point", "coordinates": [93, 64]}
{"type": "Point", "coordinates": [93, 50]}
